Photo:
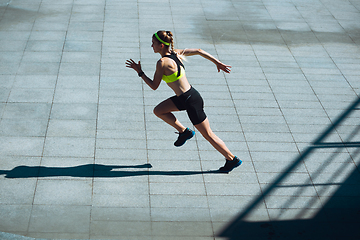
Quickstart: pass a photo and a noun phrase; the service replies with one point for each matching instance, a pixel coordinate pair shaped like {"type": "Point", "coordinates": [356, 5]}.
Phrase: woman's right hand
{"type": "Point", "coordinates": [132, 64]}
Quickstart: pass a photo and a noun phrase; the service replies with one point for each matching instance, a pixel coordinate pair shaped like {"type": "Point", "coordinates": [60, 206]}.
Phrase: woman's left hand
{"type": "Point", "coordinates": [225, 68]}
{"type": "Point", "coordinates": [132, 64]}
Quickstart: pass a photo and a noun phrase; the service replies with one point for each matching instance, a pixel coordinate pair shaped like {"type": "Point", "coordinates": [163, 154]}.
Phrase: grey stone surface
{"type": "Point", "coordinates": [82, 156]}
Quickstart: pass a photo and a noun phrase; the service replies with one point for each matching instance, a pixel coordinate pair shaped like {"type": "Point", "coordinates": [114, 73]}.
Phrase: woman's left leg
{"type": "Point", "coordinates": [163, 110]}
{"type": "Point", "coordinates": [215, 141]}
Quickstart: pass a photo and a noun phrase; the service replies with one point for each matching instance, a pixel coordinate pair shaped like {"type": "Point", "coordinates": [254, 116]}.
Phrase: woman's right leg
{"type": "Point", "coordinates": [231, 160]}
{"type": "Point", "coordinates": [163, 110]}
{"type": "Point", "coordinates": [215, 141]}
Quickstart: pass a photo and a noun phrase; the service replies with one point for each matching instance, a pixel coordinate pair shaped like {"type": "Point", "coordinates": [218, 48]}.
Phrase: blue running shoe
{"type": "Point", "coordinates": [183, 137]}
{"type": "Point", "coordinates": [230, 165]}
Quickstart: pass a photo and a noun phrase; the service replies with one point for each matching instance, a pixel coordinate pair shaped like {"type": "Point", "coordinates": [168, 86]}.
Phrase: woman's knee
{"type": "Point", "coordinates": [209, 135]}
{"type": "Point", "coordinates": [205, 131]}
{"type": "Point", "coordinates": [167, 106]}
{"type": "Point", "coordinates": [157, 111]}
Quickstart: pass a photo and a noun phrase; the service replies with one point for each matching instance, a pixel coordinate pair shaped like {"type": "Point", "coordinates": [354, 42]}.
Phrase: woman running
{"type": "Point", "coordinates": [171, 69]}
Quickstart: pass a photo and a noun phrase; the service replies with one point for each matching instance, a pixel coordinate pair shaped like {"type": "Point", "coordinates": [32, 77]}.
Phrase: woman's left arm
{"type": "Point", "coordinates": [153, 84]}
{"type": "Point", "coordinates": [208, 56]}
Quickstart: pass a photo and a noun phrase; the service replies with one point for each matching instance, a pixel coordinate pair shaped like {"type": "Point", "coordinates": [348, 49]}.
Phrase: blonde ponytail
{"type": "Point", "coordinates": [170, 40]}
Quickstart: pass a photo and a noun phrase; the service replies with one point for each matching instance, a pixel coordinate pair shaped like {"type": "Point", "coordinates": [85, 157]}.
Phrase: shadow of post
{"type": "Point", "coordinates": [339, 222]}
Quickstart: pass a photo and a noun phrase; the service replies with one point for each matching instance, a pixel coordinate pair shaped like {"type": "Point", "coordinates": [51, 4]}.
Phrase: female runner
{"type": "Point", "coordinates": [171, 69]}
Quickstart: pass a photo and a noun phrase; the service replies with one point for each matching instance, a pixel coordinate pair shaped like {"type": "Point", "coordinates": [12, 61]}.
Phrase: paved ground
{"type": "Point", "coordinates": [83, 157]}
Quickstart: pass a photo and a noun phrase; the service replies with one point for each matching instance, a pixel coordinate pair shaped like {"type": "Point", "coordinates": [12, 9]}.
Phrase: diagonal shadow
{"type": "Point", "coordinates": [337, 217]}
{"type": "Point", "coordinates": [91, 170]}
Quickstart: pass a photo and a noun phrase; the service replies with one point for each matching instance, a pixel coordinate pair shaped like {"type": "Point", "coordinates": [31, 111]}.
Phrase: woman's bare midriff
{"type": "Point", "coordinates": [180, 86]}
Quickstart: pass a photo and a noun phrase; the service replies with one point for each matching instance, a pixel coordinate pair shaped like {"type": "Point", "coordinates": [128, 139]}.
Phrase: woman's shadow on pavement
{"type": "Point", "coordinates": [92, 170]}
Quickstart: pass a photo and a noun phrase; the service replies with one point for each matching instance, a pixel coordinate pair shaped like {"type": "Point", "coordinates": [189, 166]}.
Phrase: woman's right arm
{"type": "Point", "coordinates": [208, 56]}
{"type": "Point", "coordinates": [153, 84]}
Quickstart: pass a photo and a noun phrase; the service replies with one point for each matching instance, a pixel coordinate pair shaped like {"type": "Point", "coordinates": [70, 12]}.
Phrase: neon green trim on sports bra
{"type": "Point", "coordinates": [174, 77]}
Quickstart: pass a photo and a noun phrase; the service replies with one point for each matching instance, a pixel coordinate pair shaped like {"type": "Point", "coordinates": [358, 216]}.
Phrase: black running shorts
{"type": "Point", "coordinates": [192, 102]}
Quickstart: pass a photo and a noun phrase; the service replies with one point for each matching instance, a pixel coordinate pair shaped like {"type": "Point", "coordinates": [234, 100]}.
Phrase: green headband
{"type": "Point", "coordinates": [158, 38]}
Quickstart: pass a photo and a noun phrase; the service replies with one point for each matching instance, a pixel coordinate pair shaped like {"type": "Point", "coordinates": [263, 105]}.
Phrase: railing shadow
{"type": "Point", "coordinates": [338, 218]}
{"type": "Point", "coordinates": [92, 170]}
